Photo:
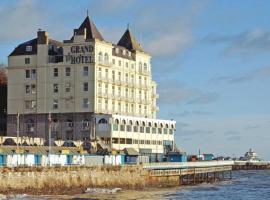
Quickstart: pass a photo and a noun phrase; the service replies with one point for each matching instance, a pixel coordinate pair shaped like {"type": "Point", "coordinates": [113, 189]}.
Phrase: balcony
{"type": "Point", "coordinates": [155, 95]}
{"type": "Point", "coordinates": [144, 72]}
{"type": "Point", "coordinates": [155, 108]}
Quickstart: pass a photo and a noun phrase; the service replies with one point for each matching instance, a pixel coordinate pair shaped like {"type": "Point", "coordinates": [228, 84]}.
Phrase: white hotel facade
{"type": "Point", "coordinates": [85, 81]}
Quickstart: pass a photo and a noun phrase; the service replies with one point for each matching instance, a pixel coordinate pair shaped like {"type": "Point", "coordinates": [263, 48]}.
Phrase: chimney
{"type": "Point", "coordinates": [42, 37]}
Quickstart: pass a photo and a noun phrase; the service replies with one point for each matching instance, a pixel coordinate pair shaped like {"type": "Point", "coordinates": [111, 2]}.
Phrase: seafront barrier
{"type": "Point", "coordinates": [76, 179]}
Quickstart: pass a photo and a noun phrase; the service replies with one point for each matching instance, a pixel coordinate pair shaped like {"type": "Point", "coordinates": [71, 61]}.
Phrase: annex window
{"type": "Point", "coordinates": [55, 88]}
{"type": "Point", "coordinates": [106, 58]}
{"type": "Point", "coordinates": [67, 87]}
{"type": "Point", "coordinates": [85, 86]}
{"type": "Point", "coordinates": [30, 105]}
{"type": "Point", "coordinates": [85, 102]}
{"type": "Point", "coordinates": [55, 72]}
{"type": "Point", "coordinates": [27, 73]}
{"type": "Point", "coordinates": [28, 48]}
{"type": "Point", "coordinates": [55, 104]}
{"type": "Point", "coordinates": [30, 126]}
{"type": "Point", "coordinates": [67, 71]}
{"type": "Point", "coordinates": [27, 61]}
{"type": "Point", "coordinates": [85, 71]}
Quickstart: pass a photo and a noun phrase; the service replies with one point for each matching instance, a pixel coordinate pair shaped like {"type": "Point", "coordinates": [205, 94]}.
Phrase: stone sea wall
{"type": "Point", "coordinates": [70, 180]}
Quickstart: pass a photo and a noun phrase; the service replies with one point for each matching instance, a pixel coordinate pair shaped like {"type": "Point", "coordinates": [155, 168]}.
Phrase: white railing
{"type": "Point", "coordinates": [173, 165]}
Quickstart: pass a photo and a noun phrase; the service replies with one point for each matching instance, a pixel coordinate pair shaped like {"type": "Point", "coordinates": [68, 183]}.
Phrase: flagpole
{"type": "Point", "coordinates": [18, 132]}
{"type": "Point", "coordinates": [49, 120]}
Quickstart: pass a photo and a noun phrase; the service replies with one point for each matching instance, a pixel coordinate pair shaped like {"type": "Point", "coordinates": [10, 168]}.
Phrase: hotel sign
{"type": "Point", "coordinates": [80, 54]}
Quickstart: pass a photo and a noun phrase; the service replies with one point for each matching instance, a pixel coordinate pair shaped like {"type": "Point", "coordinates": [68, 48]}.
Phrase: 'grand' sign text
{"type": "Point", "coordinates": [80, 54]}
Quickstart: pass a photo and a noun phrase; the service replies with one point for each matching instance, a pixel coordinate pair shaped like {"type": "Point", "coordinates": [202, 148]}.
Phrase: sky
{"type": "Point", "coordinates": [210, 59]}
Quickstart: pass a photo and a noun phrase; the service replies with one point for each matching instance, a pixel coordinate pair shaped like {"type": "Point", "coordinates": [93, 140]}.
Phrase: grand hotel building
{"type": "Point", "coordinates": [90, 87]}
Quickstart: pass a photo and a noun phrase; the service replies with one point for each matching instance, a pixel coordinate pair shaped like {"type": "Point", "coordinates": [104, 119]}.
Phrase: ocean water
{"type": "Point", "coordinates": [244, 185]}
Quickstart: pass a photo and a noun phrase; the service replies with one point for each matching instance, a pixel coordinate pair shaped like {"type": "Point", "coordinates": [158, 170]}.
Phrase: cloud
{"type": "Point", "coordinates": [19, 21]}
{"type": "Point", "coordinates": [258, 74]}
{"type": "Point", "coordinates": [170, 33]}
{"type": "Point", "coordinates": [248, 43]}
{"type": "Point", "coordinates": [173, 92]}
{"type": "Point", "coordinates": [234, 138]}
{"type": "Point", "coordinates": [194, 132]}
{"type": "Point", "coordinates": [231, 133]}
{"type": "Point", "coordinates": [251, 127]}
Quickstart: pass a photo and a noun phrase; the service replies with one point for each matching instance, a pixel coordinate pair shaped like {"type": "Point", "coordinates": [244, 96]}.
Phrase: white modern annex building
{"type": "Point", "coordinates": [83, 80]}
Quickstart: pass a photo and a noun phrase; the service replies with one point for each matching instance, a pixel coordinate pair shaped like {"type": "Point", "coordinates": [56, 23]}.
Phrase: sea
{"type": "Point", "coordinates": [243, 185]}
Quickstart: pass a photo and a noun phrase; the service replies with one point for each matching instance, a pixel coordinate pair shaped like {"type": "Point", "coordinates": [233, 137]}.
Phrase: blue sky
{"type": "Point", "coordinates": [210, 60]}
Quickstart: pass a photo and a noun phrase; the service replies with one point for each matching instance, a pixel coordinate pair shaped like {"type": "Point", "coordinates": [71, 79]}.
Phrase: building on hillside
{"type": "Point", "coordinates": [3, 102]}
{"type": "Point", "coordinates": [83, 81]}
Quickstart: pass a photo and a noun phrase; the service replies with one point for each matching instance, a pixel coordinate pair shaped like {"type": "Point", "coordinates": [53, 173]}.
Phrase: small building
{"type": "Point", "coordinates": [131, 155]}
{"type": "Point", "coordinates": [176, 157]}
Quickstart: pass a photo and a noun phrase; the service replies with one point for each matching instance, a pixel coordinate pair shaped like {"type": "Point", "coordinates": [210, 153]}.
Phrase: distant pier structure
{"type": "Point", "coordinates": [189, 173]}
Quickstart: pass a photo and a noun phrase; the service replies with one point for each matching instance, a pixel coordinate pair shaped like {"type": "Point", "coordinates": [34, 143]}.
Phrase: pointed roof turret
{"type": "Point", "coordinates": [129, 41]}
{"type": "Point", "coordinates": [91, 29]}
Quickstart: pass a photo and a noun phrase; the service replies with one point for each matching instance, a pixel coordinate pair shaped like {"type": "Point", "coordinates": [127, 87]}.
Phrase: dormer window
{"type": "Point", "coordinates": [28, 48]}
{"type": "Point", "coordinates": [129, 54]}
{"type": "Point", "coordinates": [116, 50]}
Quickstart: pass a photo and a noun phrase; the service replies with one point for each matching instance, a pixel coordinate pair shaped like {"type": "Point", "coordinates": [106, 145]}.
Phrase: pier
{"type": "Point", "coordinates": [189, 173]}
{"type": "Point", "coordinates": [246, 165]}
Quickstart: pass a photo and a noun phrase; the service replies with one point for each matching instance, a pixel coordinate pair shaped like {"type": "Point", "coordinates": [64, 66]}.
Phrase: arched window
{"type": "Point", "coordinates": [130, 122]}
{"type": "Point", "coordinates": [167, 126]}
{"type": "Point", "coordinates": [137, 123]}
{"type": "Point", "coordinates": [103, 121]}
{"type": "Point", "coordinates": [149, 124]}
{"type": "Point", "coordinates": [30, 126]}
{"type": "Point", "coordinates": [100, 57]}
{"type": "Point", "coordinates": [155, 124]}
{"type": "Point", "coordinates": [124, 122]}
{"type": "Point", "coordinates": [143, 123]}
{"type": "Point", "coordinates": [116, 121]}
{"type": "Point", "coordinates": [106, 58]}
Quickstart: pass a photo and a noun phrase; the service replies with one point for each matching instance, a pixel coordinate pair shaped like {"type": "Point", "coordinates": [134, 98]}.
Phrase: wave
{"type": "Point", "coordinates": [102, 190]}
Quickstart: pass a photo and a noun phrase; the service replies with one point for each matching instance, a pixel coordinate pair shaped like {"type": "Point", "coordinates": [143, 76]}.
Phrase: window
{"type": "Point", "coordinates": [122, 128]}
{"type": "Point", "coordinates": [119, 62]}
{"type": "Point", "coordinates": [129, 128]}
{"type": "Point", "coordinates": [122, 140]}
{"type": "Point", "coordinates": [142, 129]}
{"type": "Point", "coordinates": [106, 58]}
{"type": "Point", "coordinates": [55, 72]}
{"type": "Point", "coordinates": [85, 102]}
{"type": "Point", "coordinates": [85, 71]}
{"type": "Point", "coordinates": [154, 130]}
{"type": "Point", "coordinates": [145, 67]}
{"type": "Point", "coordinates": [128, 141]}
{"type": "Point", "coordinates": [147, 129]}
{"type": "Point", "coordinates": [30, 126]}
{"type": "Point", "coordinates": [27, 89]}
{"type": "Point", "coordinates": [126, 65]}
{"type": "Point", "coordinates": [67, 87]}
{"type": "Point", "coordinates": [28, 48]}
{"type": "Point", "coordinates": [33, 73]}
{"type": "Point", "coordinates": [115, 140]}
{"type": "Point", "coordinates": [30, 105]}
{"type": "Point", "coordinates": [85, 124]}
{"type": "Point", "coordinates": [140, 66]}
{"type": "Point", "coordinates": [55, 88]}
{"type": "Point", "coordinates": [115, 127]}
{"type": "Point", "coordinates": [67, 71]}
{"type": "Point", "coordinates": [103, 121]}
{"type": "Point", "coordinates": [27, 73]}
{"type": "Point", "coordinates": [159, 130]}
{"type": "Point", "coordinates": [100, 57]}
{"type": "Point", "coordinates": [30, 73]}
{"type": "Point", "coordinates": [135, 129]}
{"type": "Point", "coordinates": [141, 141]}
{"type": "Point", "coordinates": [113, 61]}
{"type": "Point", "coordinates": [27, 61]}
{"type": "Point", "coordinates": [171, 131]}
{"type": "Point", "coordinates": [30, 89]}
{"type": "Point", "coordinates": [85, 86]}
{"type": "Point", "coordinates": [55, 104]}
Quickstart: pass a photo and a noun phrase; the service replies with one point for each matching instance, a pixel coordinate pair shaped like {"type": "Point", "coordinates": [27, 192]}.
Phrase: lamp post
{"type": "Point", "coordinates": [18, 132]}
{"type": "Point", "coordinates": [50, 122]}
